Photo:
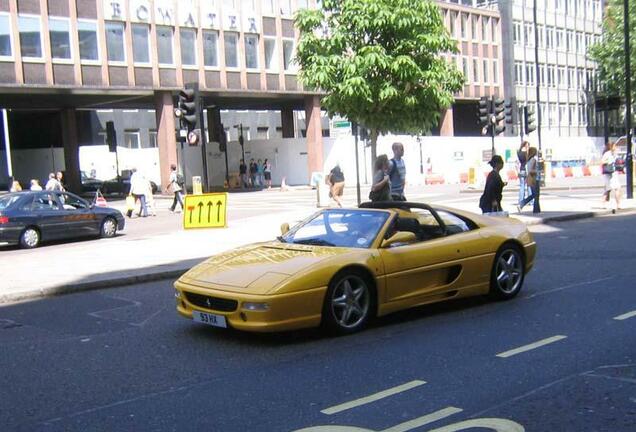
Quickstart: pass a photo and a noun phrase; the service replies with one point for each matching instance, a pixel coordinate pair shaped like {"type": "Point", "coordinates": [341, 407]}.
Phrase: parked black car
{"type": "Point", "coordinates": [109, 187]}
{"type": "Point", "coordinates": [30, 218]}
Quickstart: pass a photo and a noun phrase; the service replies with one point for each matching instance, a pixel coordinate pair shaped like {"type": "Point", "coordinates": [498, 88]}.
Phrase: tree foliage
{"type": "Point", "coordinates": [609, 54]}
{"type": "Point", "coordinates": [379, 62]}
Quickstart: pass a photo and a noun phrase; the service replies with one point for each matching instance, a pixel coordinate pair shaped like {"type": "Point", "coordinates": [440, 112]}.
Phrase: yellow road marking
{"type": "Point", "coordinates": [531, 346]}
{"type": "Point", "coordinates": [625, 316]}
{"type": "Point", "coordinates": [424, 420]}
{"type": "Point", "coordinates": [372, 398]}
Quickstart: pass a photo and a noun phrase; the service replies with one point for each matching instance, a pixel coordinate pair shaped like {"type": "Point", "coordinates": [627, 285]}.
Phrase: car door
{"type": "Point", "coordinates": [428, 267]}
{"type": "Point", "coordinates": [47, 215]}
{"type": "Point", "coordinates": [78, 215]}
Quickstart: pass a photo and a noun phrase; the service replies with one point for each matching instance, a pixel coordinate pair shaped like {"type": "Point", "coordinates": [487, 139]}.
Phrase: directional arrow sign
{"type": "Point", "coordinates": [205, 211]}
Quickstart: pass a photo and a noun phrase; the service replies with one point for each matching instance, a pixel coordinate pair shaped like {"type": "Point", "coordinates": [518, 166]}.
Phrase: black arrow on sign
{"type": "Point", "coordinates": [200, 205]}
{"type": "Point", "coordinates": [218, 210]}
{"type": "Point", "coordinates": [209, 210]}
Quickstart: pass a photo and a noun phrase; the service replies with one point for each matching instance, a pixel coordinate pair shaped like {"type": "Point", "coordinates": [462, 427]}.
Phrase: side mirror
{"type": "Point", "coordinates": [284, 228]}
{"type": "Point", "coordinates": [399, 237]}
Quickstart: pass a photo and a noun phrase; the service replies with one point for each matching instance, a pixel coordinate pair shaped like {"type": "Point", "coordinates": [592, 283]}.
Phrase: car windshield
{"type": "Point", "coordinates": [338, 228]}
{"type": "Point", "coordinates": [7, 200]}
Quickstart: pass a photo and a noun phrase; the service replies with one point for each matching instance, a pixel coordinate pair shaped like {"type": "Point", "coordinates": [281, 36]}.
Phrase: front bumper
{"type": "Point", "coordinates": [286, 311]}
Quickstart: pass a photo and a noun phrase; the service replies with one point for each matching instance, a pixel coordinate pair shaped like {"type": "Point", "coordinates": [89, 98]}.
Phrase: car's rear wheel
{"type": "Point", "coordinates": [109, 227]}
{"type": "Point", "coordinates": [349, 303]}
{"type": "Point", "coordinates": [508, 272]}
{"type": "Point", "coordinates": [30, 238]}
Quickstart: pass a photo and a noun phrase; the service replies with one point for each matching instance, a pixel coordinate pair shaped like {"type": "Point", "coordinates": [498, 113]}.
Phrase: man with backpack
{"type": "Point", "coordinates": [397, 172]}
{"type": "Point", "coordinates": [177, 183]}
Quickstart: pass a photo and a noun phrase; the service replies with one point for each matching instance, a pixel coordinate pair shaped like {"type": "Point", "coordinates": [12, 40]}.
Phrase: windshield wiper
{"type": "Point", "coordinates": [314, 242]}
{"type": "Point", "coordinates": [281, 239]}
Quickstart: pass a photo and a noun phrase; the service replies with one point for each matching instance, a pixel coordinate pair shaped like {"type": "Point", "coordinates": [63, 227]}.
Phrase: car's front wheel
{"type": "Point", "coordinates": [109, 227]}
{"type": "Point", "coordinates": [349, 303]}
{"type": "Point", "coordinates": [508, 271]}
{"type": "Point", "coordinates": [30, 238]}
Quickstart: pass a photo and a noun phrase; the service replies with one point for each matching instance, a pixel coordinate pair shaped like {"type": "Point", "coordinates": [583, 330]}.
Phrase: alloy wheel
{"type": "Point", "coordinates": [350, 302]}
{"type": "Point", "coordinates": [109, 228]}
{"type": "Point", "coordinates": [30, 238]}
{"type": "Point", "coordinates": [509, 271]}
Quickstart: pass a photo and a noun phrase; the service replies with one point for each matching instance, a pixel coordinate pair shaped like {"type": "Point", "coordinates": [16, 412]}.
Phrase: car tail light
{"type": "Point", "coordinates": [4, 220]}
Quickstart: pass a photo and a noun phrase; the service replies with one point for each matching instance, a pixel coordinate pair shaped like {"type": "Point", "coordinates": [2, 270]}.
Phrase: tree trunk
{"type": "Point", "coordinates": [374, 150]}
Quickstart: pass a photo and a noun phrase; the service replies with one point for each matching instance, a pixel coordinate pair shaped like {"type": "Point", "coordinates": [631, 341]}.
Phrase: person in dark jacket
{"type": "Point", "coordinates": [490, 201]}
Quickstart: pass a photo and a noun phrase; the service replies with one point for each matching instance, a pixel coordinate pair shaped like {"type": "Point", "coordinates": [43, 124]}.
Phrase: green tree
{"type": "Point", "coordinates": [379, 62]}
{"type": "Point", "coordinates": [609, 54]}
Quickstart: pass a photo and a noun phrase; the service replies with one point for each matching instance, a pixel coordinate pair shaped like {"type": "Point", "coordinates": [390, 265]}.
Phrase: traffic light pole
{"type": "Point", "coordinates": [537, 206]}
{"type": "Point", "coordinates": [628, 105]}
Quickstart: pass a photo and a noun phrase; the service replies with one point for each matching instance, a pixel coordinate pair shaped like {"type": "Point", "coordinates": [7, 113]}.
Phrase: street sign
{"type": "Point", "coordinates": [205, 211]}
{"type": "Point", "coordinates": [342, 124]}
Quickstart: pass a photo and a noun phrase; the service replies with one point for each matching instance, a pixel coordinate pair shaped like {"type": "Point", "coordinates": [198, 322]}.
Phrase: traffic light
{"type": "Point", "coordinates": [111, 137]}
{"type": "Point", "coordinates": [499, 116]}
{"type": "Point", "coordinates": [528, 119]}
{"type": "Point", "coordinates": [509, 113]}
{"type": "Point", "coordinates": [187, 111]}
{"type": "Point", "coordinates": [483, 112]}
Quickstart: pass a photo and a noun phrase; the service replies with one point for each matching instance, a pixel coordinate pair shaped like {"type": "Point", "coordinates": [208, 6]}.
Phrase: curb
{"type": "Point", "coordinates": [546, 188]}
{"type": "Point", "coordinates": [175, 273]}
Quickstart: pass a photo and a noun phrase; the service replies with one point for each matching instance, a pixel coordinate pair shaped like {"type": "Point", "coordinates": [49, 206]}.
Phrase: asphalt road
{"type": "Point", "coordinates": [121, 359]}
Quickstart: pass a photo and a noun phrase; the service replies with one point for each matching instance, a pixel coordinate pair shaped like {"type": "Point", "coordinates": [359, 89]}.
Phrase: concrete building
{"type": "Point", "coordinates": [567, 75]}
{"type": "Point", "coordinates": [68, 66]}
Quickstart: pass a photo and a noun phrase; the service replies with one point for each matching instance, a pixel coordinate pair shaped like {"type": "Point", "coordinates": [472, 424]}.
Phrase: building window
{"type": "Point", "coordinates": [164, 45]}
{"type": "Point", "coordinates": [581, 82]}
{"type": "Point", "coordinates": [141, 48]}
{"type": "Point", "coordinates": [231, 49]}
{"type": "Point", "coordinates": [87, 35]}
{"type": "Point", "coordinates": [452, 26]}
{"type": "Point", "coordinates": [529, 34]}
{"type": "Point", "coordinates": [60, 36]}
{"type": "Point", "coordinates": [229, 4]}
{"type": "Point", "coordinates": [30, 41]}
{"type": "Point", "coordinates": [269, 7]}
{"type": "Point", "coordinates": [530, 73]}
{"type": "Point", "coordinates": [495, 72]}
{"type": "Point", "coordinates": [474, 24]}
{"type": "Point", "coordinates": [463, 25]}
{"type": "Point", "coordinates": [152, 139]}
{"type": "Point", "coordinates": [210, 48]}
{"type": "Point", "coordinates": [562, 78]}
{"type": "Point", "coordinates": [580, 42]}
{"type": "Point", "coordinates": [115, 41]}
{"type": "Point", "coordinates": [518, 73]}
{"type": "Point", "coordinates": [516, 35]}
{"type": "Point", "coordinates": [188, 39]}
{"type": "Point", "coordinates": [493, 33]}
{"type": "Point", "coordinates": [573, 116]}
{"type": "Point", "coordinates": [285, 7]}
{"type": "Point", "coordinates": [251, 51]}
{"type": "Point", "coordinates": [571, 78]}
{"type": "Point", "coordinates": [131, 139]}
{"type": "Point", "coordinates": [485, 25]}
{"type": "Point", "coordinates": [5, 37]}
{"type": "Point", "coordinates": [302, 4]}
{"type": "Point", "coordinates": [270, 54]}
{"type": "Point", "coordinates": [549, 37]}
{"type": "Point", "coordinates": [571, 43]}
{"type": "Point", "coordinates": [485, 69]}
{"type": "Point", "coordinates": [563, 115]}
{"type": "Point", "coordinates": [541, 35]}
{"type": "Point", "coordinates": [288, 53]}
{"type": "Point", "coordinates": [262, 132]}
{"type": "Point", "coordinates": [560, 39]}
{"type": "Point", "coordinates": [475, 71]}
{"type": "Point", "coordinates": [553, 117]}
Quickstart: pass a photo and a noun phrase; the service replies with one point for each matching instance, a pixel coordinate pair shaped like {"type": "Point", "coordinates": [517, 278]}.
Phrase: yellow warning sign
{"type": "Point", "coordinates": [205, 211]}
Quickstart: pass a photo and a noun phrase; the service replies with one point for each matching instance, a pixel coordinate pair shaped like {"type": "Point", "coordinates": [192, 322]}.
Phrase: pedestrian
{"type": "Point", "coordinates": [490, 200]}
{"type": "Point", "coordinates": [532, 169]}
{"type": "Point", "coordinates": [522, 155]}
{"type": "Point", "coordinates": [53, 184]}
{"type": "Point", "coordinates": [260, 173]}
{"type": "Point", "coordinates": [381, 187]}
{"type": "Point", "coordinates": [177, 182]}
{"type": "Point", "coordinates": [243, 174]}
{"type": "Point", "coordinates": [336, 181]}
{"type": "Point", "coordinates": [138, 191]}
{"type": "Point", "coordinates": [15, 186]}
{"type": "Point", "coordinates": [610, 175]}
{"type": "Point", "coordinates": [267, 172]}
{"type": "Point", "coordinates": [35, 185]}
{"type": "Point", "coordinates": [253, 170]}
{"type": "Point", "coordinates": [60, 177]}
{"type": "Point", "coordinates": [397, 172]}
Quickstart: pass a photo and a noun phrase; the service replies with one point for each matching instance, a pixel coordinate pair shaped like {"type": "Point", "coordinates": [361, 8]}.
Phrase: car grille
{"type": "Point", "coordinates": [213, 303]}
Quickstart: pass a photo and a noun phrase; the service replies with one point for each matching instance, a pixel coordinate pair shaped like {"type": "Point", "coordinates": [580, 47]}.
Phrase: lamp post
{"type": "Point", "coordinates": [628, 104]}
{"type": "Point", "coordinates": [537, 207]}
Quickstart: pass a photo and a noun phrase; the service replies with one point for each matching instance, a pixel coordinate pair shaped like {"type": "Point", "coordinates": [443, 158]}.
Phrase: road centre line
{"type": "Point", "coordinates": [424, 420]}
{"type": "Point", "coordinates": [372, 398]}
{"type": "Point", "coordinates": [531, 346]}
{"type": "Point", "coordinates": [625, 316]}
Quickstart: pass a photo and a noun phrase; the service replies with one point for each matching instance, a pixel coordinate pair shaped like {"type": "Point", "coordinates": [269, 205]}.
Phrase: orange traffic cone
{"type": "Point", "coordinates": [100, 201]}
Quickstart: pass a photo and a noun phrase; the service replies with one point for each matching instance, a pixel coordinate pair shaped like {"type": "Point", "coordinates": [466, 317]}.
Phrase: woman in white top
{"type": "Point", "coordinates": [612, 181]}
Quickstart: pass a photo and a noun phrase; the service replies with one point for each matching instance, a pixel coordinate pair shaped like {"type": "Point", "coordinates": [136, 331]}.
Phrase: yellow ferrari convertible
{"type": "Point", "coordinates": [341, 268]}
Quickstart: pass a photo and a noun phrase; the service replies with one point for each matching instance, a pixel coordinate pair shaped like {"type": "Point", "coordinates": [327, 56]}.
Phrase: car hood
{"type": "Point", "coordinates": [257, 269]}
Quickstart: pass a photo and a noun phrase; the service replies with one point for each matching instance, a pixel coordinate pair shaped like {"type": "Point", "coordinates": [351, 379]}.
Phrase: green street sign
{"type": "Point", "coordinates": [342, 124]}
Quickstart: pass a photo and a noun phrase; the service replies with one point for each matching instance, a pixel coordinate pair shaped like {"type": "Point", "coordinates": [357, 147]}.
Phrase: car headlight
{"type": "Point", "coordinates": [255, 307]}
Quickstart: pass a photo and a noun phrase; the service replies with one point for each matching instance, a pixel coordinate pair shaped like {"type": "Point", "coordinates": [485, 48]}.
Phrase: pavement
{"type": "Point", "coordinates": [129, 259]}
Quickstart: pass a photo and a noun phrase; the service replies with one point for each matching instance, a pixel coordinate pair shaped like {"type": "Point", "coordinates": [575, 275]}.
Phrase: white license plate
{"type": "Point", "coordinates": [209, 319]}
